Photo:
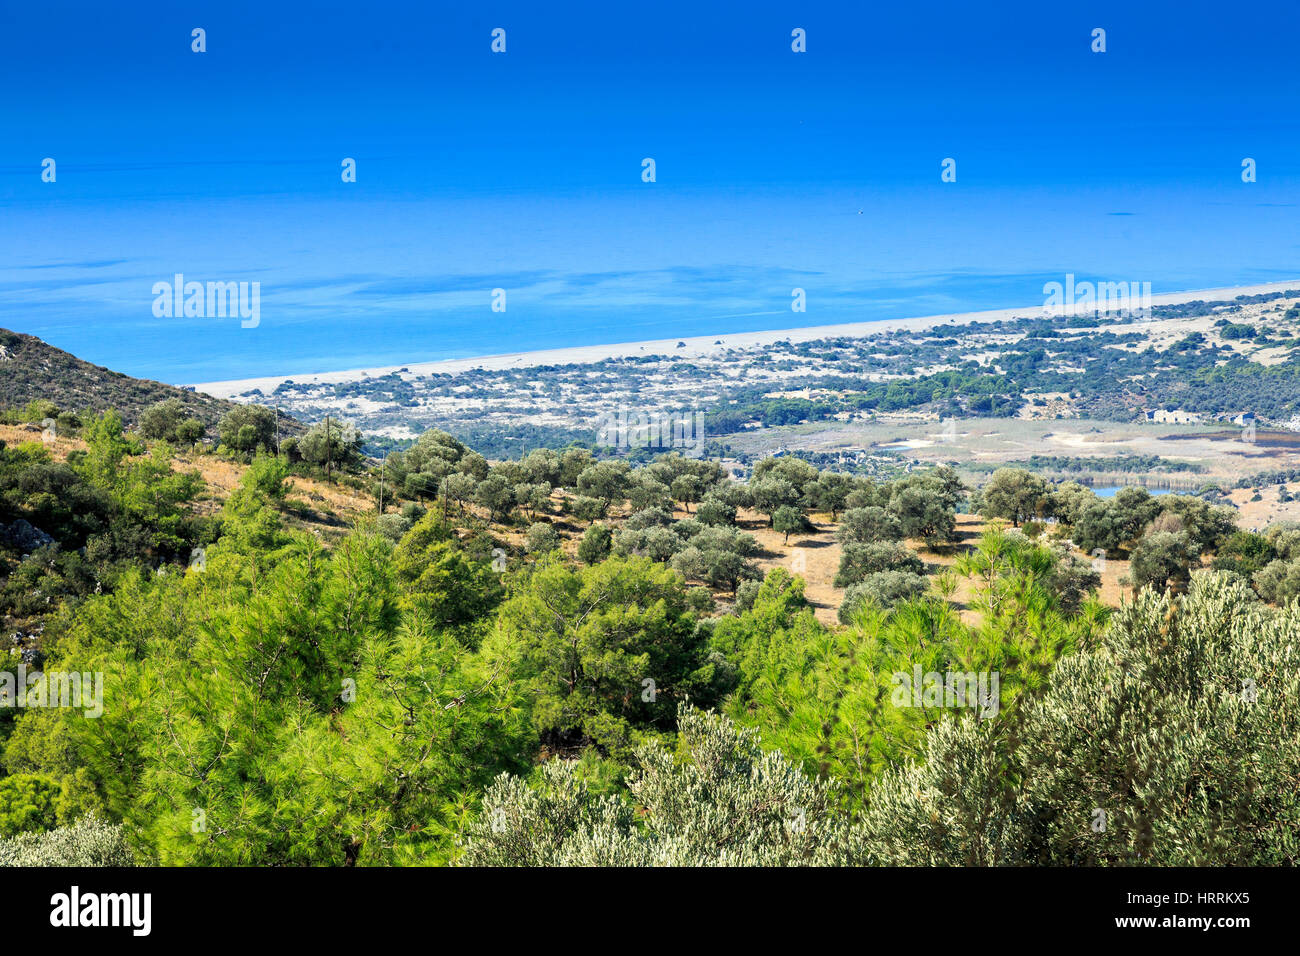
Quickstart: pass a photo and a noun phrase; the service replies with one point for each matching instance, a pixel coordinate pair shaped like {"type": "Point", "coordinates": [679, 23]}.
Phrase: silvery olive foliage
{"type": "Point", "coordinates": [720, 801]}
{"type": "Point", "coordinates": [1174, 741]}
{"type": "Point", "coordinates": [89, 842]}
{"type": "Point", "coordinates": [1182, 728]}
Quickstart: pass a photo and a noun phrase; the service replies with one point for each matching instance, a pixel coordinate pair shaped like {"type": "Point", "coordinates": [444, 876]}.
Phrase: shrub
{"type": "Point", "coordinates": [1181, 727]}
{"type": "Point", "coordinates": [595, 544]}
{"type": "Point", "coordinates": [867, 525]}
{"type": "Point", "coordinates": [541, 539]}
{"type": "Point", "coordinates": [859, 560]}
{"type": "Point", "coordinates": [722, 802]}
{"type": "Point", "coordinates": [884, 589]}
{"type": "Point", "coordinates": [1163, 559]}
{"type": "Point", "coordinates": [246, 428]}
{"type": "Point", "coordinates": [88, 842]}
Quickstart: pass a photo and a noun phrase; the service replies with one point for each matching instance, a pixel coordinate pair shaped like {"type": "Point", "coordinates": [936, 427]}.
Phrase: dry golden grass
{"type": "Point", "coordinates": [815, 556]}
{"type": "Point", "coordinates": [18, 434]}
{"type": "Point", "coordinates": [333, 508]}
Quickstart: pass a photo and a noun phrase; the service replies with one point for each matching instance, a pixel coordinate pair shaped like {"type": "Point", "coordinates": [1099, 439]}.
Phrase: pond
{"type": "Point", "coordinates": [1109, 490]}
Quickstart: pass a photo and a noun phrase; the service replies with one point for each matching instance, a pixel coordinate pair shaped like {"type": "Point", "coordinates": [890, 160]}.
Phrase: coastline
{"type": "Point", "coordinates": [695, 346]}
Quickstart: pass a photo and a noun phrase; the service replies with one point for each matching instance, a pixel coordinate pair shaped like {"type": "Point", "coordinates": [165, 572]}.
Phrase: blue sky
{"type": "Point", "coordinates": [523, 171]}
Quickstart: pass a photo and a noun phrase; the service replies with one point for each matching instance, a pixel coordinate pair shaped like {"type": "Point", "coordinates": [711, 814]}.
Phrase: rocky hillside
{"type": "Point", "coordinates": [32, 369]}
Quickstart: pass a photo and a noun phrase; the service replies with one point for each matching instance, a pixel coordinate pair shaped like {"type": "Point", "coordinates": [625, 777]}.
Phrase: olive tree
{"type": "Point", "coordinates": [720, 800]}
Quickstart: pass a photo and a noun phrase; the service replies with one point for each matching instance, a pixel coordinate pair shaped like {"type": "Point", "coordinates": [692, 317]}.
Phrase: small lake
{"type": "Point", "coordinates": [1109, 490]}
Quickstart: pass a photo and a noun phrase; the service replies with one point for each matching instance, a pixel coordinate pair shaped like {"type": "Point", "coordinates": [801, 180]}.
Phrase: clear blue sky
{"type": "Point", "coordinates": [523, 170]}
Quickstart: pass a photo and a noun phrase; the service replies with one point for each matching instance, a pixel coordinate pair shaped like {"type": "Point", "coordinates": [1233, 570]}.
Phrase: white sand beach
{"type": "Point", "coordinates": [696, 346]}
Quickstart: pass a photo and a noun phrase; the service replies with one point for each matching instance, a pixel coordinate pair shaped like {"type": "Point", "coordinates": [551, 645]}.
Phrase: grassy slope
{"type": "Point", "coordinates": [327, 508]}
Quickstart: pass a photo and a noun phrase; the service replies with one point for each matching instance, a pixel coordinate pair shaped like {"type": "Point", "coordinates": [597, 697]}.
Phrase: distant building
{"type": "Point", "coordinates": [1175, 417]}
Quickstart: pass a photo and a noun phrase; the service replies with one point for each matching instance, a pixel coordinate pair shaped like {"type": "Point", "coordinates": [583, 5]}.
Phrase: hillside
{"type": "Point", "coordinates": [314, 505]}
{"type": "Point", "coordinates": [512, 612]}
{"type": "Point", "coordinates": [32, 369]}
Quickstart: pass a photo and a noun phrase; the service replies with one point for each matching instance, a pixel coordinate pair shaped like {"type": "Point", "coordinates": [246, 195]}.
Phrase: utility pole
{"type": "Point", "coordinates": [381, 485]}
{"type": "Point", "coordinates": [328, 451]}
{"type": "Point", "coordinates": [277, 431]}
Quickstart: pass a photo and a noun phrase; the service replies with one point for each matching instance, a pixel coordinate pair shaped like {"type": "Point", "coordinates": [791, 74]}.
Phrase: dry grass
{"type": "Point", "coordinates": [815, 556]}
{"type": "Point", "coordinates": [330, 509]}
